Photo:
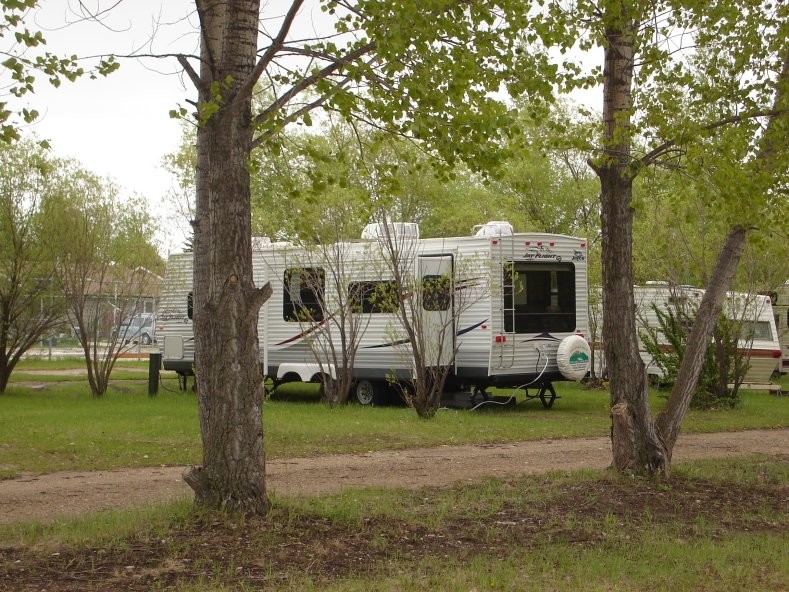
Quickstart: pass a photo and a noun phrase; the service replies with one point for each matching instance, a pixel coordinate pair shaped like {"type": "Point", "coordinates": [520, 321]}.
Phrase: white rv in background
{"type": "Point", "coordinates": [514, 311]}
{"type": "Point", "coordinates": [758, 342]}
{"type": "Point", "coordinates": [781, 312]}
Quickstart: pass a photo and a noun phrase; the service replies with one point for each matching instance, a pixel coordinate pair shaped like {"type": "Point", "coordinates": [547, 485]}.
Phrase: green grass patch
{"type": "Point", "coordinates": [61, 427]}
{"type": "Point", "coordinates": [111, 528]}
{"type": "Point", "coordinates": [82, 377]}
{"type": "Point", "coordinates": [711, 526]}
{"type": "Point", "coordinates": [64, 428]}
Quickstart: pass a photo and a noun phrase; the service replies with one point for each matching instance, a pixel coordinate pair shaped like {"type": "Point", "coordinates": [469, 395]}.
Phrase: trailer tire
{"type": "Point", "coordinates": [367, 392]}
{"type": "Point", "coordinates": [573, 357]}
{"type": "Point", "coordinates": [145, 339]}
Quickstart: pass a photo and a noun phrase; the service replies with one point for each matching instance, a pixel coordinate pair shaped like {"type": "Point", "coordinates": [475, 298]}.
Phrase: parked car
{"type": "Point", "coordinates": [139, 328]}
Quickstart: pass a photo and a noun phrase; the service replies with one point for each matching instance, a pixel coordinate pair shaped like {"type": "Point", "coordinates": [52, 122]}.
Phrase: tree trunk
{"type": "Point", "coordinates": [640, 443]}
{"type": "Point", "coordinates": [226, 302]}
{"type": "Point", "coordinates": [636, 445]}
{"type": "Point", "coordinates": [5, 375]}
{"type": "Point", "coordinates": [670, 419]}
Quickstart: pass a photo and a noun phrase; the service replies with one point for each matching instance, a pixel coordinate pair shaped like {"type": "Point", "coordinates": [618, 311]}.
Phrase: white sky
{"type": "Point", "coordinates": [119, 126]}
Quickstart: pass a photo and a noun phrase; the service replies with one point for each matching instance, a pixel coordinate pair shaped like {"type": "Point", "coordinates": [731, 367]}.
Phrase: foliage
{"type": "Point", "coordinates": [105, 263]}
{"type": "Point", "coordinates": [324, 184]}
{"type": "Point", "coordinates": [722, 364]}
{"type": "Point", "coordinates": [30, 303]}
{"type": "Point", "coordinates": [24, 58]}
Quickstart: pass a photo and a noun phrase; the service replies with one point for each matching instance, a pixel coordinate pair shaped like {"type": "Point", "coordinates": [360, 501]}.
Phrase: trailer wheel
{"type": "Point", "coordinates": [366, 392]}
{"type": "Point", "coordinates": [145, 339]}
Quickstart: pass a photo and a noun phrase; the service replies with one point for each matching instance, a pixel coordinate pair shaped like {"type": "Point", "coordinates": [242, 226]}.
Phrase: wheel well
{"type": "Point", "coordinates": [290, 377]}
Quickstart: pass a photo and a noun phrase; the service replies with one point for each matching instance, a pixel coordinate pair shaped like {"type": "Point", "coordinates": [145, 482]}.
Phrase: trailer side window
{"type": "Point", "coordinates": [758, 330]}
{"type": "Point", "coordinates": [374, 296]}
{"type": "Point", "coordinates": [539, 297]}
{"type": "Point", "coordinates": [304, 293]}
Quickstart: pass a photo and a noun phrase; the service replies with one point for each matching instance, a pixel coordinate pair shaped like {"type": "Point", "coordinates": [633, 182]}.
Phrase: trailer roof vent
{"type": "Point", "coordinates": [396, 229]}
{"type": "Point", "coordinates": [259, 242]}
{"type": "Point", "coordinates": [494, 228]}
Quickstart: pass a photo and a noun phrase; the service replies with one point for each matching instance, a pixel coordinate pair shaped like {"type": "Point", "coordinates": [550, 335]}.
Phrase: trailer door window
{"type": "Point", "coordinates": [436, 294]}
{"type": "Point", "coordinates": [304, 292]}
{"type": "Point", "coordinates": [539, 297]}
{"type": "Point", "coordinates": [370, 297]}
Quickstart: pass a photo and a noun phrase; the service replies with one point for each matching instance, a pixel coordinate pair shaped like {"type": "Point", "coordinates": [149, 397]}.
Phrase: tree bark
{"type": "Point", "coordinates": [637, 447]}
{"type": "Point", "coordinates": [226, 301]}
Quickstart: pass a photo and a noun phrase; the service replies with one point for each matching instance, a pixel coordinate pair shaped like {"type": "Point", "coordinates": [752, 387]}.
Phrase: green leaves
{"type": "Point", "coordinates": [26, 61]}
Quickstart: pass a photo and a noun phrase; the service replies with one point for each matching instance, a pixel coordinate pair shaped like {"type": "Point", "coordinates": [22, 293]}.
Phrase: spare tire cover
{"type": "Point", "coordinates": [573, 357]}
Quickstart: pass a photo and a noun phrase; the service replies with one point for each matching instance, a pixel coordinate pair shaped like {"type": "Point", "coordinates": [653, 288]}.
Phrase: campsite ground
{"type": "Point", "coordinates": [566, 530]}
{"type": "Point", "coordinates": [498, 512]}
{"type": "Point", "coordinates": [57, 495]}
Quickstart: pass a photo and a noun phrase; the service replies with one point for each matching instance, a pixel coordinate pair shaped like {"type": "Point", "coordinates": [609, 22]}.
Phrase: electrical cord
{"type": "Point", "coordinates": [523, 386]}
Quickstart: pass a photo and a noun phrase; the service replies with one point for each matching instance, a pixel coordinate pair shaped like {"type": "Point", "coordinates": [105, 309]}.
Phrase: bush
{"type": "Point", "coordinates": [722, 364]}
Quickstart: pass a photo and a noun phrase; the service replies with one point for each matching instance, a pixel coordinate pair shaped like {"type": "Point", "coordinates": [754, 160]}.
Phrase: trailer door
{"type": "Point", "coordinates": [436, 307]}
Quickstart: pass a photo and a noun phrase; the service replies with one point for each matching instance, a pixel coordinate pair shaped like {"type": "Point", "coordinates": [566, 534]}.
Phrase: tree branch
{"type": "Point", "coordinates": [656, 153]}
{"type": "Point", "coordinates": [269, 54]}
{"type": "Point", "coordinates": [309, 81]}
{"type": "Point", "coordinates": [780, 109]}
{"type": "Point", "coordinates": [193, 75]}
{"type": "Point", "coordinates": [256, 300]}
{"type": "Point", "coordinates": [298, 113]}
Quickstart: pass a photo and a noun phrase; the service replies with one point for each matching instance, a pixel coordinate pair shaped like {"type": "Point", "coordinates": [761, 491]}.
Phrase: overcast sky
{"type": "Point", "coordinates": [117, 126]}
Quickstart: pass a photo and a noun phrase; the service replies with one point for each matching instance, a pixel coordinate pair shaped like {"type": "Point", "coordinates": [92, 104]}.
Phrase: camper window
{"type": "Point", "coordinates": [759, 330]}
{"type": "Point", "coordinates": [539, 297]}
{"type": "Point", "coordinates": [371, 297]}
{"type": "Point", "coordinates": [303, 296]}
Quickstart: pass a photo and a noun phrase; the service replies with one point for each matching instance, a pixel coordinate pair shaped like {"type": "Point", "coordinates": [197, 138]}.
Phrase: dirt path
{"type": "Point", "coordinates": [48, 497]}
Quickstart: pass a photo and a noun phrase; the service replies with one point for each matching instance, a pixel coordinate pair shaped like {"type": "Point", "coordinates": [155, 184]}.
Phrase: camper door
{"type": "Point", "coordinates": [436, 308]}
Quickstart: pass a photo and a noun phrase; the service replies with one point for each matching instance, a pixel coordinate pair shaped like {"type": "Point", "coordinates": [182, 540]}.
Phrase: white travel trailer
{"type": "Point", "coordinates": [759, 339]}
{"type": "Point", "coordinates": [512, 309]}
{"type": "Point", "coordinates": [781, 312]}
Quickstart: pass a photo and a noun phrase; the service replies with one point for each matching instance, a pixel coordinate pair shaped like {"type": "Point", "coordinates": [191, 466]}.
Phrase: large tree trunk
{"type": "Point", "coordinates": [635, 442]}
{"type": "Point", "coordinates": [640, 444]}
{"type": "Point", "coordinates": [226, 302]}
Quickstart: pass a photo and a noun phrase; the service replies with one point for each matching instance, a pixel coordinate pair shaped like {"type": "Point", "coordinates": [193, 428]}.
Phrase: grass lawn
{"type": "Point", "coordinates": [61, 427]}
{"type": "Point", "coordinates": [713, 525]}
